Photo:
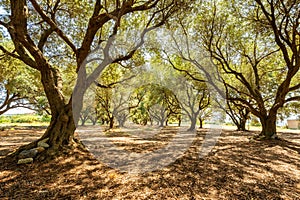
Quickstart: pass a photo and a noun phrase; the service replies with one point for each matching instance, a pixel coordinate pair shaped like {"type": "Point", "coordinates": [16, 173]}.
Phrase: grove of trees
{"type": "Point", "coordinates": [54, 51]}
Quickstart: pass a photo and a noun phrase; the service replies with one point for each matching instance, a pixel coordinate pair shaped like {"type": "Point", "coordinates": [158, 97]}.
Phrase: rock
{"type": "Point", "coordinates": [43, 144]}
{"type": "Point", "coordinates": [40, 149]}
{"type": "Point", "coordinates": [31, 153]}
{"type": "Point", "coordinates": [45, 140]}
{"type": "Point", "coordinates": [25, 161]}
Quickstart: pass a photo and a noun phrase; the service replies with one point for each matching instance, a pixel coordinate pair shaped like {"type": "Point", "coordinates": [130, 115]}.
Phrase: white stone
{"type": "Point", "coordinates": [43, 144]}
{"type": "Point", "coordinates": [45, 140]}
{"type": "Point", "coordinates": [40, 149]}
{"type": "Point", "coordinates": [25, 161]}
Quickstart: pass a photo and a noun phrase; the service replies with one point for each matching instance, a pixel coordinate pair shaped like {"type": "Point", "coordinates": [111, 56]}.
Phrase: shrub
{"type": "Point", "coordinates": [24, 118]}
{"type": "Point", "coordinates": [255, 122]}
{"type": "Point", "coordinates": [45, 118]}
{"type": "Point", "coordinates": [5, 119]}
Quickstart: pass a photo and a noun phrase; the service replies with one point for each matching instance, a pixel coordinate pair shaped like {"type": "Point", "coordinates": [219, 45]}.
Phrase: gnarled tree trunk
{"type": "Point", "coordinates": [61, 129]}
{"type": "Point", "coordinates": [60, 132]}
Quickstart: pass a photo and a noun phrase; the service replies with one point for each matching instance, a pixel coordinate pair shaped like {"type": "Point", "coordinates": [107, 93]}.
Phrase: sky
{"type": "Point", "coordinates": [16, 111]}
{"type": "Point", "coordinates": [2, 11]}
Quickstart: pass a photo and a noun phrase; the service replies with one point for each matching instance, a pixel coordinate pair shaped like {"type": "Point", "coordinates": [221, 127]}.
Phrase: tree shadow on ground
{"type": "Point", "coordinates": [236, 168]}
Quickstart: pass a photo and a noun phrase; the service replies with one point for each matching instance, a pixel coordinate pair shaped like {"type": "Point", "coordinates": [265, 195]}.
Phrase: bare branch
{"type": "Point", "coordinates": [3, 24]}
{"type": "Point", "coordinates": [184, 71]}
{"type": "Point", "coordinates": [296, 98]}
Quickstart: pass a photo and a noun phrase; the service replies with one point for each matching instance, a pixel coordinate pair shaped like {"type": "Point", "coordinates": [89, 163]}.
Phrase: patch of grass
{"type": "Point", "coordinates": [117, 134]}
{"type": "Point", "coordinates": [24, 118]}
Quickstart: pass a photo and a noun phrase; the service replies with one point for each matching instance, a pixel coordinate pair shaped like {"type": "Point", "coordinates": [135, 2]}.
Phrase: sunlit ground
{"type": "Point", "coordinates": [236, 168]}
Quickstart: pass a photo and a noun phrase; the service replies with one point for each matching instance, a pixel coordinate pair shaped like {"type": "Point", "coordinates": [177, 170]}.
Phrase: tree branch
{"type": "Point", "coordinates": [184, 71]}
{"type": "Point", "coordinates": [294, 87]}
{"type": "Point", "coordinates": [114, 83]}
{"type": "Point", "coordinates": [53, 25]}
{"type": "Point", "coordinates": [296, 98]}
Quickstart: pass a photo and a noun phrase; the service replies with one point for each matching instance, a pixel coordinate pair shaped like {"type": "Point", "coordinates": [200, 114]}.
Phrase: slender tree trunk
{"type": "Point", "coordinates": [161, 123]}
{"type": "Point", "coordinates": [94, 120]}
{"type": "Point", "coordinates": [121, 121]}
{"type": "Point", "coordinates": [83, 120]}
{"type": "Point", "coordinates": [201, 123]}
{"type": "Point", "coordinates": [111, 122]}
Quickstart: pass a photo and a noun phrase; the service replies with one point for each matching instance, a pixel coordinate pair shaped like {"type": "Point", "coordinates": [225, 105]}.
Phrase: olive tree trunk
{"type": "Point", "coordinates": [111, 122]}
{"type": "Point", "coordinates": [201, 122]}
{"type": "Point", "coordinates": [241, 126]}
{"type": "Point", "coordinates": [193, 124]}
{"type": "Point", "coordinates": [60, 132]}
{"type": "Point", "coordinates": [268, 126]}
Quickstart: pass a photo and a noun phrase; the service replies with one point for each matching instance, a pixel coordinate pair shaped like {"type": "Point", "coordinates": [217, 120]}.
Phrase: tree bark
{"type": "Point", "coordinates": [83, 120]}
{"type": "Point", "coordinates": [201, 123]}
{"type": "Point", "coordinates": [121, 122]}
{"type": "Point", "coordinates": [241, 126]}
{"type": "Point", "coordinates": [60, 135]}
{"type": "Point", "coordinates": [161, 123]}
{"type": "Point", "coordinates": [61, 129]}
{"type": "Point", "coordinates": [111, 122]}
{"type": "Point", "coordinates": [268, 126]}
{"type": "Point", "coordinates": [193, 124]}
{"type": "Point", "coordinates": [62, 126]}
{"type": "Point", "coordinates": [179, 122]}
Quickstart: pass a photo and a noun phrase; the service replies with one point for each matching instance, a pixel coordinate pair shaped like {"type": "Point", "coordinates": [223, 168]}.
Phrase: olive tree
{"type": "Point", "coordinates": [49, 35]}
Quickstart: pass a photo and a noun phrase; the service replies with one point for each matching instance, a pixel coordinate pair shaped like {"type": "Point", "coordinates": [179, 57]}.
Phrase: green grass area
{"type": "Point", "coordinates": [24, 119]}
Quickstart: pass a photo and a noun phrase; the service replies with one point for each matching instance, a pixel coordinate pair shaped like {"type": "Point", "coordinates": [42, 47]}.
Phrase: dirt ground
{"type": "Point", "coordinates": [236, 168]}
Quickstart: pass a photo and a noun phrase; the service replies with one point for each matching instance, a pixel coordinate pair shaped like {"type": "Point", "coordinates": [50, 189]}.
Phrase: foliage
{"type": "Point", "coordinates": [254, 65]}
{"type": "Point", "coordinates": [24, 118]}
{"type": "Point", "coordinates": [18, 84]}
